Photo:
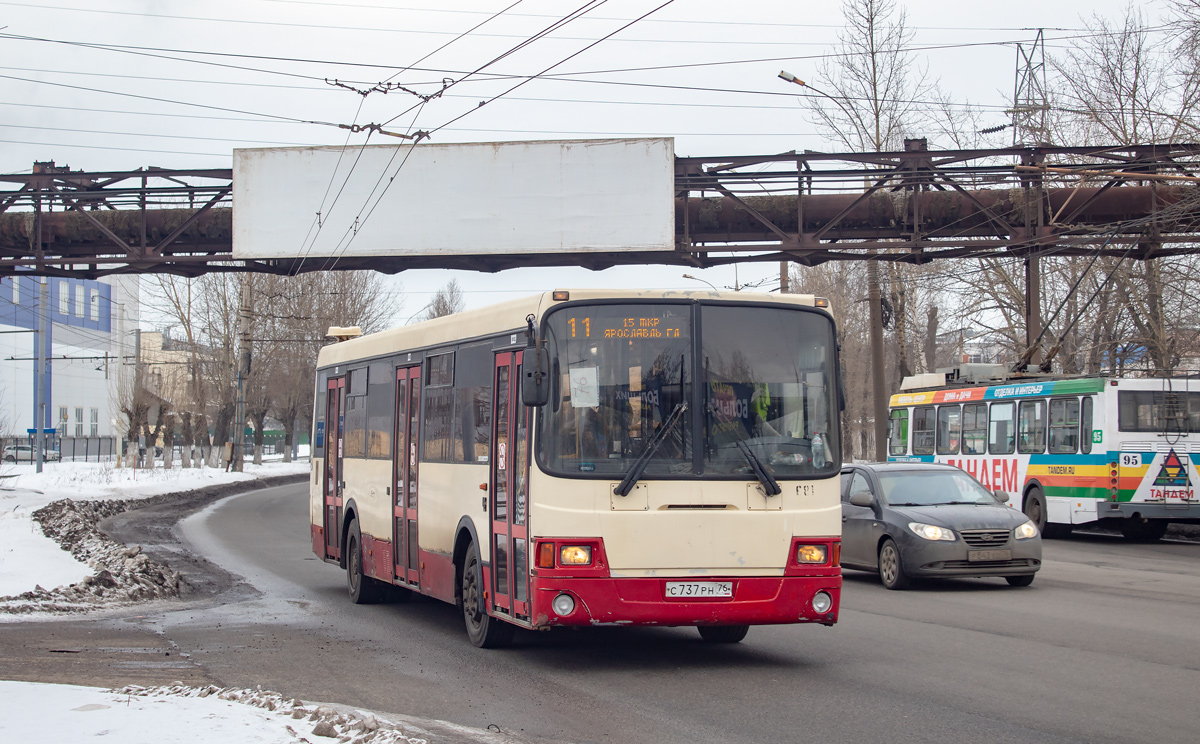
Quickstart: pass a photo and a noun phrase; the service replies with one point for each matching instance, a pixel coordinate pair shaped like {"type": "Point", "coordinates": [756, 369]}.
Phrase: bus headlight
{"type": "Point", "coordinates": [811, 553]}
{"type": "Point", "coordinates": [1026, 531]}
{"type": "Point", "coordinates": [563, 605]}
{"type": "Point", "coordinates": [575, 555]}
{"type": "Point", "coordinates": [932, 531]}
{"type": "Point", "coordinates": [821, 603]}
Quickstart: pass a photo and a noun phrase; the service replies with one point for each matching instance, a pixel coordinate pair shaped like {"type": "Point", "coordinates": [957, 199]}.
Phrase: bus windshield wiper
{"type": "Point", "coordinates": [762, 471]}
{"type": "Point", "coordinates": [639, 465]}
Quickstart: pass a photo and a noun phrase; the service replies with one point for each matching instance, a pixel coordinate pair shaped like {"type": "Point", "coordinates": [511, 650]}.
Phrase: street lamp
{"type": "Point", "coordinates": [785, 75]}
{"type": "Point", "coordinates": [698, 279]}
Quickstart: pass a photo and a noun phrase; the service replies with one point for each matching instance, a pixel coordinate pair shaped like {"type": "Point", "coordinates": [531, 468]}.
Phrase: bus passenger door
{"type": "Point", "coordinates": [404, 476]}
{"type": "Point", "coordinates": [333, 465]}
{"type": "Point", "coordinates": [509, 466]}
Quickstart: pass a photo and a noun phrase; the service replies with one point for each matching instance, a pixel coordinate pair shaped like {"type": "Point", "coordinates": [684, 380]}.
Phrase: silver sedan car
{"type": "Point", "coordinates": [921, 520]}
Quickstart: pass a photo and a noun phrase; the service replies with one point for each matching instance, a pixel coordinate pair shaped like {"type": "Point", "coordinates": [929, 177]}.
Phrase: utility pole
{"type": "Point", "coordinates": [879, 394]}
{"type": "Point", "coordinates": [39, 418]}
{"type": "Point", "coordinates": [239, 435]}
{"type": "Point", "coordinates": [138, 395]}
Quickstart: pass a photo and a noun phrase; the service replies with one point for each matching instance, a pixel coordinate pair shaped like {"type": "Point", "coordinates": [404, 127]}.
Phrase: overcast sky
{"type": "Point", "coordinates": [119, 84]}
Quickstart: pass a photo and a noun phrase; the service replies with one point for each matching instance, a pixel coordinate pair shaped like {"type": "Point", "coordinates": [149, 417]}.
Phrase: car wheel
{"type": "Point", "coordinates": [891, 569]}
{"type": "Point", "coordinates": [362, 588]}
{"type": "Point", "coordinates": [483, 630]}
{"type": "Point", "coordinates": [1025, 580]}
{"type": "Point", "coordinates": [1140, 529]}
{"type": "Point", "coordinates": [723, 633]}
{"type": "Point", "coordinates": [10, 458]}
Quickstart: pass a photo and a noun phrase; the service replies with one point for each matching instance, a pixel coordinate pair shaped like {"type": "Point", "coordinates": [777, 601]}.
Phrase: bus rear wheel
{"type": "Point", "coordinates": [1140, 529]}
{"type": "Point", "coordinates": [723, 633]}
{"type": "Point", "coordinates": [1035, 509]}
{"type": "Point", "coordinates": [362, 589]}
{"type": "Point", "coordinates": [483, 630]}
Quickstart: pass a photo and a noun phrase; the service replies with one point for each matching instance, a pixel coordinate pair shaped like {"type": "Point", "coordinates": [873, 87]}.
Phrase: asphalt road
{"type": "Point", "coordinates": [1104, 647]}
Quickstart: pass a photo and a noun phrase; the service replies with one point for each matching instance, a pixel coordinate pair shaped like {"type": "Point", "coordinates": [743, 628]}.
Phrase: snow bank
{"type": "Point", "coordinates": [52, 558]}
{"type": "Point", "coordinates": [180, 715]}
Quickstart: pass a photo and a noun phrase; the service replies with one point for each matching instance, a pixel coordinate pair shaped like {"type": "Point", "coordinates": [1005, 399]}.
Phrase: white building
{"type": "Point", "coordinates": [90, 327]}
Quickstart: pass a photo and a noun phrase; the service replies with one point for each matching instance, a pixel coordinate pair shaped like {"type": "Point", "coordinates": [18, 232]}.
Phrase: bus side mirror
{"type": "Point", "coordinates": [535, 377]}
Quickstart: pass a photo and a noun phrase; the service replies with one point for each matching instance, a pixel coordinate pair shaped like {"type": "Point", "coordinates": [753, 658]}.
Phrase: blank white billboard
{"type": "Point", "coordinates": [462, 199]}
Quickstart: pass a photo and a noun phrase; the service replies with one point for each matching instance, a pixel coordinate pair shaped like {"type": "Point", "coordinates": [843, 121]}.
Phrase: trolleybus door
{"type": "Point", "coordinates": [333, 465]}
{"type": "Point", "coordinates": [404, 479]}
{"type": "Point", "coordinates": [509, 466]}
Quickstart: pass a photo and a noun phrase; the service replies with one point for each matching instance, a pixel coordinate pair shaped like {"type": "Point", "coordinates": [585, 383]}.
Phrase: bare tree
{"type": "Point", "coordinates": [447, 301]}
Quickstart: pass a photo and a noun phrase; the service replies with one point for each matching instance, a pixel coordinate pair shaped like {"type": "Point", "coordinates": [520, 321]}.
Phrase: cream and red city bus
{"type": "Point", "coordinates": [591, 457]}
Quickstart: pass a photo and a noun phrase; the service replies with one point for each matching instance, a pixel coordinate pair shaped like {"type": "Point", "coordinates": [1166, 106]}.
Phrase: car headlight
{"type": "Point", "coordinates": [1026, 531]}
{"type": "Point", "coordinates": [932, 531]}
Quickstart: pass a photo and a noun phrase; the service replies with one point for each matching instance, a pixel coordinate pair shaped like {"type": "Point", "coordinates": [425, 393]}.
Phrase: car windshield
{"type": "Point", "coordinates": [932, 487]}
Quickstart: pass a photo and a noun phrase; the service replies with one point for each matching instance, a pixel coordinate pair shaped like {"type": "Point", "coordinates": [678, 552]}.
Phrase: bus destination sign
{"type": "Point", "coordinates": [624, 328]}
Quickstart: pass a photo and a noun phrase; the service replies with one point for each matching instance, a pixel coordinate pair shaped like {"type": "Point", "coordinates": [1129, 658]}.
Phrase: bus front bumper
{"type": "Point", "coordinates": [643, 601]}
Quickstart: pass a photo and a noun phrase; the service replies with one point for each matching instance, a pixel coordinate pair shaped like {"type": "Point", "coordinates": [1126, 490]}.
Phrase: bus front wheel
{"type": "Point", "coordinates": [723, 633]}
{"type": "Point", "coordinates": [483, 630]}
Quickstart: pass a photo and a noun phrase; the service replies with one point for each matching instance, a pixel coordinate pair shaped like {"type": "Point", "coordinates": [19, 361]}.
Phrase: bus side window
{"type": "Point", "coordinates": [1085, 425]}
{"type": "Point", "coordinates": [949, 427]}
{"type": "Point", "coordinates": [898, 432]}
{"type": "Point", "coordinates": [922, 430]}
{"type": "Point", "coordinates": [1001, 440]}
{"type": "Point", "coordinates": [1064, 426]}
{"type": "Point", "coordinates": [974, 436]}
{"type": "Point", "coordinates": [1031, 427]}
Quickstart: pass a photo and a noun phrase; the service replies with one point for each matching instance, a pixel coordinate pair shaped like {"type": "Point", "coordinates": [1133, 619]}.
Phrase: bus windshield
{"type": "Point", "coordinates": [764, 395]}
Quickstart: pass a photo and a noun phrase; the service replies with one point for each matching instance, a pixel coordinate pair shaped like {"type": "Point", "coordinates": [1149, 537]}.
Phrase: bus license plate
{"type": "Point", "coordinates": [681, 589]}
{"type": "Point", "coordinates": [989, 555]}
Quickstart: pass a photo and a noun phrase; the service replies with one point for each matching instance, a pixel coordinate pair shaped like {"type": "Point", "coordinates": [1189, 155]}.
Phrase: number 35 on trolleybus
{"type": "Point", "coordinates": [589, 458]}
{"type": "Point", "coordinates": [1119, 452]}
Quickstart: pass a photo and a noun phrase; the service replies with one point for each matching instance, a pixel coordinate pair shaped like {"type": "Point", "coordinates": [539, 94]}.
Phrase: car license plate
{"type": "Point", "coordinates": [682, 589]}
{"type": "Point", "coordinates": [989, 555]}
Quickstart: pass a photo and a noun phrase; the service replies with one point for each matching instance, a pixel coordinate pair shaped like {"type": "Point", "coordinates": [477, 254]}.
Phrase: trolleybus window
{"type": "Point", "coordinates": [381, 383]}
{"type": "Point", "coordinates": [1002, 439]}
{"type": "Point", "coordinates": [354, 440]}
{"type": "Point", "coordinates": [1031, 427]}
{"type": "Point", "coordinates": [949, 426]}
{"type": "Point", "coordinates": [1064, 426]}
{"type": "Point", "coordinates": [898, 433]}
{"type": "Point", "coordinates": [974, 426]}
{"type": "Point", "coordinates": [1158, 411]}
{"type": "Point", "coordinates": [923, 430]}
{"type": "Point", "coordinates": [1085, 423]}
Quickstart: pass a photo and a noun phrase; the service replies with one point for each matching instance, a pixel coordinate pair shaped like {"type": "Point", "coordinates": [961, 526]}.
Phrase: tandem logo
{"type": "Point", "coordinates": [993, 474]}
{"type": "Point", "coordinates": [1006, 392]}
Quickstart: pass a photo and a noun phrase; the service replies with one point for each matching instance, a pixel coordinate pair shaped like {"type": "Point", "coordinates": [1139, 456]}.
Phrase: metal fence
{"type": "Point", "coordinates": [84, 449]}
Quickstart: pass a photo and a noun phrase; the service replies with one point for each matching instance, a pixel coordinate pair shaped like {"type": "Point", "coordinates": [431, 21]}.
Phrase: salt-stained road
{"type": "Point", "coordinates": [1104, 647]}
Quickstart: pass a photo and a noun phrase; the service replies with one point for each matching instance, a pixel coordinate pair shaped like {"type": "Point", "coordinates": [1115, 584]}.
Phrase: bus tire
{"type": "Point", "coordinates": [891, 568]}
{"type": "Point", "coordinates": [1025, 580]}
{"type": "Point", "coordinates": [484, 630]}
{"type": "Point", "coordinates": [362, 589]}
{"type": "Point", "coordinates": [1140, 529]}
{"type": "Point", "coordinates": [1035, 509]}
{"type": "Point", "coordinates": [723, 633]}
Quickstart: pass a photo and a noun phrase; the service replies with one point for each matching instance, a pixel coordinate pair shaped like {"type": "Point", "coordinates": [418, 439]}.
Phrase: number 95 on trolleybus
{"type": "Point", "coordinates": [588, 458]}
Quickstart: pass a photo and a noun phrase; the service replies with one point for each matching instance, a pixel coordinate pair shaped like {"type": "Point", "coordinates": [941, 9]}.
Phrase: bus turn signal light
{"type": "Point", "coordinates": [810, 554]}
{"type": "Point", "coordinates": [575, 555]}
{"type": "Point", "coordinates": [545, 555]}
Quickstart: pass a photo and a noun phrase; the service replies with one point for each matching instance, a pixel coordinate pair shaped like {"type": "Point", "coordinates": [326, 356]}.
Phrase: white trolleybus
{"type": "Point", "coordinates": [589, 458]}
{"type": "Point", "coordinates": [1121, 452]}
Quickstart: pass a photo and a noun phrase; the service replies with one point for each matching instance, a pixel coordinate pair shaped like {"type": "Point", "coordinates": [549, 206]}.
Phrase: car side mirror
{"type": "Point", "coordinates": [862, 498]}
{"type": "Point", "coordinates": [1001, 496]}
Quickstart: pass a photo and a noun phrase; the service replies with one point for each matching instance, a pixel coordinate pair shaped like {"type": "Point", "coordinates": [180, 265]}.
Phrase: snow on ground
{"type": "Point", "coordinates": [178, 714]}
{"type": "Point", "coordinates": [29, 559]}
